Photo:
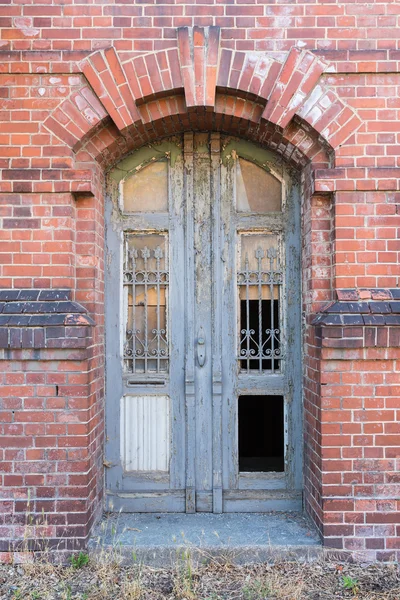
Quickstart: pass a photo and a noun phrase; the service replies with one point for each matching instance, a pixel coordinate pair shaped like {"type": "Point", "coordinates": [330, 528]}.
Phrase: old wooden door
{"type": "Point", "coordinates": [203, 330]}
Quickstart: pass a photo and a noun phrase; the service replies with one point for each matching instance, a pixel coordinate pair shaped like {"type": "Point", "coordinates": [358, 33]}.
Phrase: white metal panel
{"type": "Point", "coordinates": [145, 433]}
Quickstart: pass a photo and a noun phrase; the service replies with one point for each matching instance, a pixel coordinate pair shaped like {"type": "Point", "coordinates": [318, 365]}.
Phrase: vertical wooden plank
{"type": "Point", "coordinates": [176, 310]}
{"type": "Point", "coordinates": [229, 328]}
{"type": "Point", "coordinates": [113, 339]}
{"type": "Point", "coordinates": [203, 310]}
{"type": "Point", "coordinates": [216, 322]}
{"type": "Point", "coordinates": [292, 308]}
{"type": "Point", "coordinates": [189, 330]}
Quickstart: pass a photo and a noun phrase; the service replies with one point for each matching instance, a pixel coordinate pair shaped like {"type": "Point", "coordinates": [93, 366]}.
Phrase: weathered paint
{"type": "Point", "coordinates": [170, 149]}
{"type": "Point", "coordinates": [145, 433]}
{"type": "Point", "coordinates": [146, 491]}
{"type": "Point", "coordinates": [189, 324]}
{"type": "Point", "coordinates": [217, 441]}
{"type": "Point", "coordinates": [204, 230]}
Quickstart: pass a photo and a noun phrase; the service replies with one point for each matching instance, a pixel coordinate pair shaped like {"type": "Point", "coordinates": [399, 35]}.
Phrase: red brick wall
{"type": "Point", "coordinates": [57, 140]}
{"type": "Point", "coordinates": [49, 448]}
{"type": "Point", "coordinates": [360, 438]}
{"type": "Point", "coordinates": [51, 415]}
{"type": "Point", "coordinates": [354, 36]}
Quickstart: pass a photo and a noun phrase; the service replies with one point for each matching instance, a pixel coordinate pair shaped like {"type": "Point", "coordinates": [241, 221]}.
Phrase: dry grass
{"type": "Point", "coordinates": [105, 576]}
{"type": "Point", "coordinates": [104, 579]}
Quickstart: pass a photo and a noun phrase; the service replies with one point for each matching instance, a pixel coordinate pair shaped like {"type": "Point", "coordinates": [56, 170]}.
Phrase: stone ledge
{"type": "Point", "coordinates": [347, 319]}
{"type": "Point", "coordinates": [362, 307]}
{"type": "Point", "coordinates": [30, 294]}
{"type": "Point", "coordinates": [42, 319]}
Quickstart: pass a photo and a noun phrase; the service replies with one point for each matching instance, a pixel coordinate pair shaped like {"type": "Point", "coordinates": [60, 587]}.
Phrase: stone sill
{"type": "Point", "coordinates": [377, 307]}
{"type": "Point", "coordinates": [36, 319]}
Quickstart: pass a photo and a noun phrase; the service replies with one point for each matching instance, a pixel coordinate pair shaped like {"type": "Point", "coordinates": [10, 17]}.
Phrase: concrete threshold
{"type": "Point", "coordinates": [161, 539]}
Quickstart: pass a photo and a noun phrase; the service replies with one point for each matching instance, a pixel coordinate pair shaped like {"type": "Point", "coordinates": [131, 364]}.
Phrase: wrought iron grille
{"type": "Point", "coordinates": [260, 330]}
{"type": "Point", "coordinates": [146, 282]}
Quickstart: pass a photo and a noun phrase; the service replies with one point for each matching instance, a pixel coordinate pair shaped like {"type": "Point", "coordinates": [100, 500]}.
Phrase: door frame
{"type": "Point", "coordinates": [184, 496]}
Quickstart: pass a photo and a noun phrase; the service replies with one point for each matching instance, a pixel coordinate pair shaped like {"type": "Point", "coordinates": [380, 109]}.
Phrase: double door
{"type": "Point", "coordinates": [203, 330]}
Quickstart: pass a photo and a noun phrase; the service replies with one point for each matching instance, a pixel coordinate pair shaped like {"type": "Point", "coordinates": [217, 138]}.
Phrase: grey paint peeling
{"type": "Point", "coordinates": [202, 228]}
{"type": "Point", "coordinates": [168, 149]}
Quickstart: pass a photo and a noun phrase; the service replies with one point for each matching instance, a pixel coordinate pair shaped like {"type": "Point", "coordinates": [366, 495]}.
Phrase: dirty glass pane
{"type": "Point", "coordinates": [260, 281]}
{"type": "Point", "coordinates": [147, 189]}
{"type": "Point", "coordinates": [257, 190]}
{"type": "Point", "coordinates": [145, 303]}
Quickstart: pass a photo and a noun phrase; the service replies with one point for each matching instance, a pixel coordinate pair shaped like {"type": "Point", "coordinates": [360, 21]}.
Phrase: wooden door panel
{"type": "Point", "coordinates": [261, 269]}
{"type": "Point", "coordinates": [144, 336]}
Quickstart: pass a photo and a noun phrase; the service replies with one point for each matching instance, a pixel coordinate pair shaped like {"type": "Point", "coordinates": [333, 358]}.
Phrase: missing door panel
{"type": "Point", "coordinates": [261, 434]}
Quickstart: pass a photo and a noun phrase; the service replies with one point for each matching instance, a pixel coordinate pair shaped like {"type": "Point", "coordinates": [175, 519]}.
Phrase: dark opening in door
{"type": "Point", "coordinates": [261, 433]}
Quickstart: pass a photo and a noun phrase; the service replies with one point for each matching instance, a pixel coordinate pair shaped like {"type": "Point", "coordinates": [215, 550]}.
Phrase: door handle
{"type": "Point", "coordinates": [201, 348]}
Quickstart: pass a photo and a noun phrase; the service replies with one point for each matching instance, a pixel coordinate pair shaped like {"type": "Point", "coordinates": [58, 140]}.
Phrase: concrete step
{"type": "Point", "coordinates": [163, 539]}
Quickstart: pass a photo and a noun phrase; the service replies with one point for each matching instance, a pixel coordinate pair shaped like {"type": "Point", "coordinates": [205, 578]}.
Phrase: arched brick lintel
{"type": "Point", "coordinates": [198, 73]}
{"type": "Point", "coordinates": [133, 97]}
{"type": "Point", "coordinates": [165, 117]}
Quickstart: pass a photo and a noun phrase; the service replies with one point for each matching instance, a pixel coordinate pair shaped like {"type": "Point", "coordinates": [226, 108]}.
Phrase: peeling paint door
{"type": "Point", "coordinates": [260, 333]}
{"type": "Point", "coordinates": [146, 303]}
{"type": "Point", "coordinates": [203, 330]}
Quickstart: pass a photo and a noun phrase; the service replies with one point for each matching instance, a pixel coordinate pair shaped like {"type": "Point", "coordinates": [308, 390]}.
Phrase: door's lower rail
{"type": "Point", "coordinates": [146, 501]}
{"type": "Point", "coordinates": [153, 501]}
{"type": "Point", "coordinates": [262, 500]}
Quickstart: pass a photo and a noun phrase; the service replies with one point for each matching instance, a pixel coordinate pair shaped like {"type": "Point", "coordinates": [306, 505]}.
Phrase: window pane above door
{"type": "Point", "coordinates": [147, 189]}
{"type": "Point", "coordinates": [257, 191]}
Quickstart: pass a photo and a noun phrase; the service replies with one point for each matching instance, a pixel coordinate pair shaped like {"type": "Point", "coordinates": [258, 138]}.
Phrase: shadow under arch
{"type": "Point", "coordinates": [298, 144]}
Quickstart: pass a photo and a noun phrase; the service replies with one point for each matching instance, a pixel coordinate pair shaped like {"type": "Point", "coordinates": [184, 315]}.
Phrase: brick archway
{"type": "Point", "coordinates": [201, 69]}
{"type": "Point", "coordinates": [200, 85]}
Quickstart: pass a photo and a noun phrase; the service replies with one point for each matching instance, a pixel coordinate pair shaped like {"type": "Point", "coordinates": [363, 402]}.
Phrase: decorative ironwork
{"type": "Point", "coordinates": [146, 282]}
{"type": "Point", "coordinates": [260, 332]}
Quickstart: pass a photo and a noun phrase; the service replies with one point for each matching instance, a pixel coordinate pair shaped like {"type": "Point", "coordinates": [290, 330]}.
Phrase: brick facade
{"type": "Point", "coordinates": [81, 86]}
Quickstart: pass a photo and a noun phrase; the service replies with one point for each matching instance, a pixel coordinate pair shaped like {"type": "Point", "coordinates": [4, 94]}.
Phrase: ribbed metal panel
{"type": "Point", "coordinates": [145, 433]}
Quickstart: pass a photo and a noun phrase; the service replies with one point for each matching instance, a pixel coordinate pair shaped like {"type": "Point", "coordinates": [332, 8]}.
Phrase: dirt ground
{"type": "Point", "coordinates": [104, 578]}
